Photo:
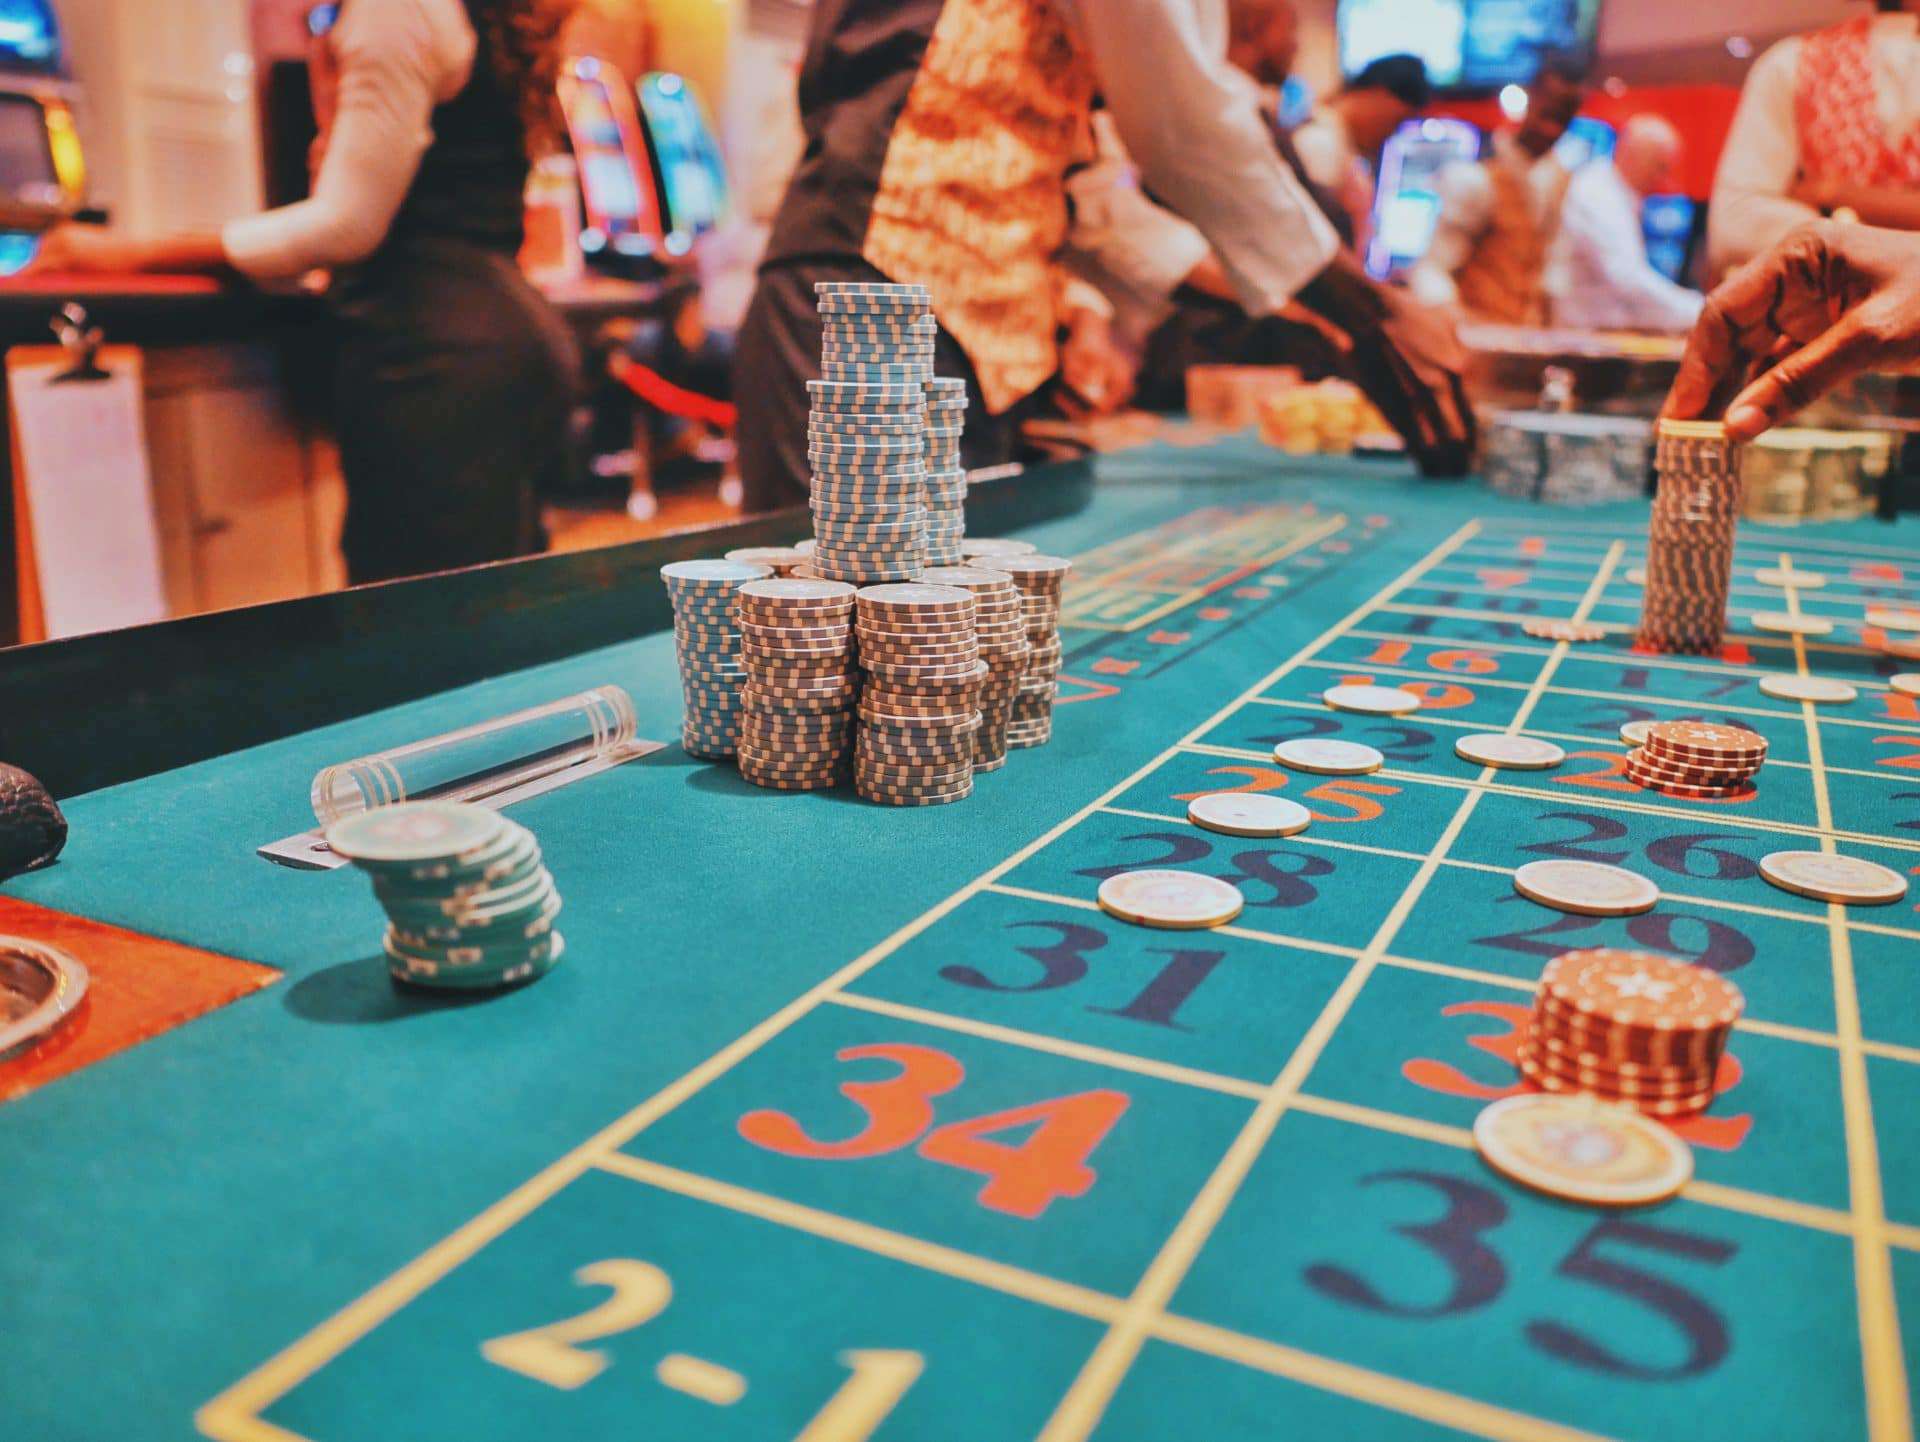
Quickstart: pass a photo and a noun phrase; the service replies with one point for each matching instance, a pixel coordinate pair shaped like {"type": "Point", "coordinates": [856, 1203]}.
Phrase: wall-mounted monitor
{"type": "Point", "coordinates": [29, 37]}
{"type": "Point", "coordinates": [1469, 45]}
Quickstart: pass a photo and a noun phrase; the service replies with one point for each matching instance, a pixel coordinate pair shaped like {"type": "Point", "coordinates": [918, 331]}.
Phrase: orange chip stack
{"type": "Point", "coordinates": [1697, 759]}
{"type": "Point", "coordinates": [1629, 1026]}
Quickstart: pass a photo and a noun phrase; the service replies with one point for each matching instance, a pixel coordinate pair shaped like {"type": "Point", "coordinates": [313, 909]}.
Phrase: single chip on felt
{"type": "Point", "coordinates": [1512, 753]}
{"type": "Point", "coordinates": [32, 830]}
{"type": "Point", "coordinates": [1545, 628]}
{"type": "Point", "coordinates": [1634, 733]}
{"type": "Point", "coordinates": [1582, 1149]}
{"type": "Point", "coordinates": [1372, 700]}
{"type": "Point", "coordinates": [1242, 813]}
{"type": "Point", "coordinates": [1907, 683]}
{"type": "Point", "coordinates": [1827, 876]}
{"type": "Point", "coordinates": [1176, 900]}
{"type": "Point", "coordinates": [1807, 688]}
{"type": "Point", "coordinates": [1325, 757]}
{"type": "Point", "coordinates": [1780, 623]}
{"type": "Point", "coordinates": [1586, 888]}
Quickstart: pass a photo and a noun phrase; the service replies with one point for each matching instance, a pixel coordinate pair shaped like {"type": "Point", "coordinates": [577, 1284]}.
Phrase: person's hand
{"type": "Point", "coordinates": [1825, 304]}
{"type": "Point", "coordinates": [86, 250]}
{"type": "Point", "coordinates": [1093, 368]}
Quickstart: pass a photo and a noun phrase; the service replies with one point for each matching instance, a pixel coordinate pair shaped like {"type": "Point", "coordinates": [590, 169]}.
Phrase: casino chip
{"type": "Point", "coordinates": [1172, 900]}
{"type": "Point", "coordinates": [1690, 538]}
{"type": "Point", "coordinates": [1781, 623]}
{"type": "Point", "coordinates": [1586, 888]}
{"type": "Point", "coordinates": [1827, 876]}
{"type": "Point", "coordinates": [1325, 757]}
{"type": "Point", "coordinates": [1635, 733]}
{"type": "Point", "coordinates": [1548, 629]}
{"type": "Point", "coordinates": [1041, 581]}
{"type": "Point", "coordinates": [1582, 1150]}
{"type": "Point", "coordinates": [1242, 813]}
{"type": "Point", "coordinates": [1807, 688]}
{"type": "Point", "coordinates": [976, 546]}
{"type": "Point", "coordinates": [1894, 618]}
{"type": "Point", "coordinates": [1371, 700]}
{"type": "Point", "coordinates": [921, 706]}
{"type": "Point", "coordinates": [1907, 683]}
{"type": "Point", "coordinates": [1510, 753]}
{"type": "Point", "coordinates": [469, 903]}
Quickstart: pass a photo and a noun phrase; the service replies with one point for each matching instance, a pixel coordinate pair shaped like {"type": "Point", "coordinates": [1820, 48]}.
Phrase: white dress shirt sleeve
{"type": "Point", "coordinates": [398, 60]}
{"type": "Point", "coordinates": [1602, 277]}
{"type": "Point", "coordinates": [1201, 145]}
{"type": "Point", "coordinates": [1751, 207]}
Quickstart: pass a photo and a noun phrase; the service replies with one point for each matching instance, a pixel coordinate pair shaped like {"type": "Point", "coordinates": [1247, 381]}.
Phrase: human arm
{"type": "Point", "coordinates": [1892, 206]}
{"type": "Point", "coordinates": [1097, 374]}
{"type": "Point", "coordinates": [1753, 202]}
{"type": "Point", "coordinates": [1826, 304]}
{"type": "Point", "coordinates": [1202, 147]}
{"type": "Point", "coordinates": [396, 61]}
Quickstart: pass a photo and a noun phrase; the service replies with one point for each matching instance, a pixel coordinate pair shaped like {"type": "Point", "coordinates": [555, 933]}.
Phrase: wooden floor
{"type": "Point", "coordinates": [582, 529]}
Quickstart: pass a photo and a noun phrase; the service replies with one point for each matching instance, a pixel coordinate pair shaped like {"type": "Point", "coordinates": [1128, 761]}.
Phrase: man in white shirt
{"type": "Point", "coordinates": [1600, 277]}
{"type": "Point", "coordinates": [1498, 216]}
{"type": "Point", "coordinates": [1827, 121]}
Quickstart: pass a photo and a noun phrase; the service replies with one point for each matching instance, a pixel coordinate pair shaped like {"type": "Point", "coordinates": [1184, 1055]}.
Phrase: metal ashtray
{"type": "Point", "coordinates": [39, 986]}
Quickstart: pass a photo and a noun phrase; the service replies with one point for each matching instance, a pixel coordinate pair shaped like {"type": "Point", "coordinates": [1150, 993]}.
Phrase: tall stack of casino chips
{"type": "Point", "coordinates": [1630, 1026]}
{"type": "Point", "coordinates": [866, 432]}
{"type": "Point", "coordinates": [469, 903]}
{"type": "Point", "coordinates": [946, 484]}
{"type": "Point", "coordinates": [920, 708]}
{"type": "Point", "coordinates": [707, 641]}
{"type": "Point", "coordinates": [796, 640]}
{"type": "Point", "coordinates": [1039, 579]}
{"type": "Point", "coordinates": [1690, 538]}
{"type": "Point", "coordinates": [1001, 628]}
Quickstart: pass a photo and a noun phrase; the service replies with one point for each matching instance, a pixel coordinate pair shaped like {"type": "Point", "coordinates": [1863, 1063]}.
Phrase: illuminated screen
{"type": "Point", "coordinates": [1406, 202]}
{"type": "Point", "coordinates": [1467, 44]}
{"type": "Point", "coordinates": [26, 160]}
{"type": "Point", "coordinates": [693, 178]}
{"type": "Point", "coordinates": [29, 36]}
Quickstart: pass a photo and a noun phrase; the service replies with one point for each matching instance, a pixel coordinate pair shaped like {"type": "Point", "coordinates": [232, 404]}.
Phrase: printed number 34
{"type": "Point", "coordinates": [1022, 1180]}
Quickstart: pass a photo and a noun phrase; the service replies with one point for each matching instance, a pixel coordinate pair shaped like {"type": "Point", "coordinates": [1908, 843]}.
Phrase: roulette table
{"type": "Point", "coordinates": [846, 1122]}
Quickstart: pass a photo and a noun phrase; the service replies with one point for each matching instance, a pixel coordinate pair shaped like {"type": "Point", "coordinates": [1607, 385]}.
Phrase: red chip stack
{"type": "Point", "coordinates": [1697, 759]}
{"type": "Point", "coordinates": [1629, 1026]}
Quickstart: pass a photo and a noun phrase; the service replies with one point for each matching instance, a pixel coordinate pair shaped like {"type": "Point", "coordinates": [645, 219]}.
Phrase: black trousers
{"type": "Point", "coordinates": [454, 388]}
{"type": "Point", "coordinates": [778, 352]}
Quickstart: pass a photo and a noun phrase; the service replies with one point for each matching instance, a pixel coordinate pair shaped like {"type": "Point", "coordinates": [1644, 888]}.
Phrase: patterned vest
{"type": "Point", "coordinates": [972, 198]}
{"type": "Point", "coordinates": [1841, 137]}
{"type": "Point", "coordinates": [1504, 279]}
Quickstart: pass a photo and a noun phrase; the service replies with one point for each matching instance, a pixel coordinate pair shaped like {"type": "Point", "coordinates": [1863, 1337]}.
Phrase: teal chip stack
{"type": "Point", "coordinates": [470, 905]}
{"type": "Point", "coordinates": [946, 483]}
{"type": "Point", "coordinates": [706, 638]}
{"type": "Point", "coordinates": [867, 431]}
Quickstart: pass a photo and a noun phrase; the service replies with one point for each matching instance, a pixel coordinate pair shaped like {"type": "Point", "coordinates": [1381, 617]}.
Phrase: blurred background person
{"type": "Point", "coordinates": [1826, 122]}
{"type": "Point", "coordinates": [1601, 278]}
{"type": "Point", "coordinates": [455, 379]}
{"type": "Point", "coordinates": [1339, 144]}
{"type": "Point", "coordinates": [940, 135]}
{"type": "Point", "coordinates": [1499, 216]}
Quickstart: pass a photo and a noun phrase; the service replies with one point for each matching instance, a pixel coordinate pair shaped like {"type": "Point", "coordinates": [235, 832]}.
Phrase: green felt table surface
{"type": "Point", "coordinates": [1223, 1188]}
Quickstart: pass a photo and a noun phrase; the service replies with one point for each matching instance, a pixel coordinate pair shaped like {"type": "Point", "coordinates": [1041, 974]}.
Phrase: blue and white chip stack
{"type": "Point", "coordinates": [946, 483]}
{"type": "Point", "coordinates": [866, 435]}
{"type": "Point", "coordinates": [706, 638]}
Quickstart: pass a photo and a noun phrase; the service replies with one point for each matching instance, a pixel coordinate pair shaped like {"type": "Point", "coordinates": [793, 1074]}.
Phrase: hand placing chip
{"type": "Point", "coordinates": [1824, 305]}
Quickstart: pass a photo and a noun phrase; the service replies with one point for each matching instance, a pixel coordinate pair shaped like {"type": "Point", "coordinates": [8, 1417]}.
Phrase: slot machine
{"type": "Point", "coordinates": [1406, 203]}
{"type": "Point", "coordinates": [43, 173]}
{"type": "Point", "coordinates": [687, 165]}
{"type": "Point", "coordinates": [624, 229]}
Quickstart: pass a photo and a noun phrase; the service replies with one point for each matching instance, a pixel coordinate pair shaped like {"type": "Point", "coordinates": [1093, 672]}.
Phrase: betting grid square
{"type": "Point", "coordinates": [1144, 1314]}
